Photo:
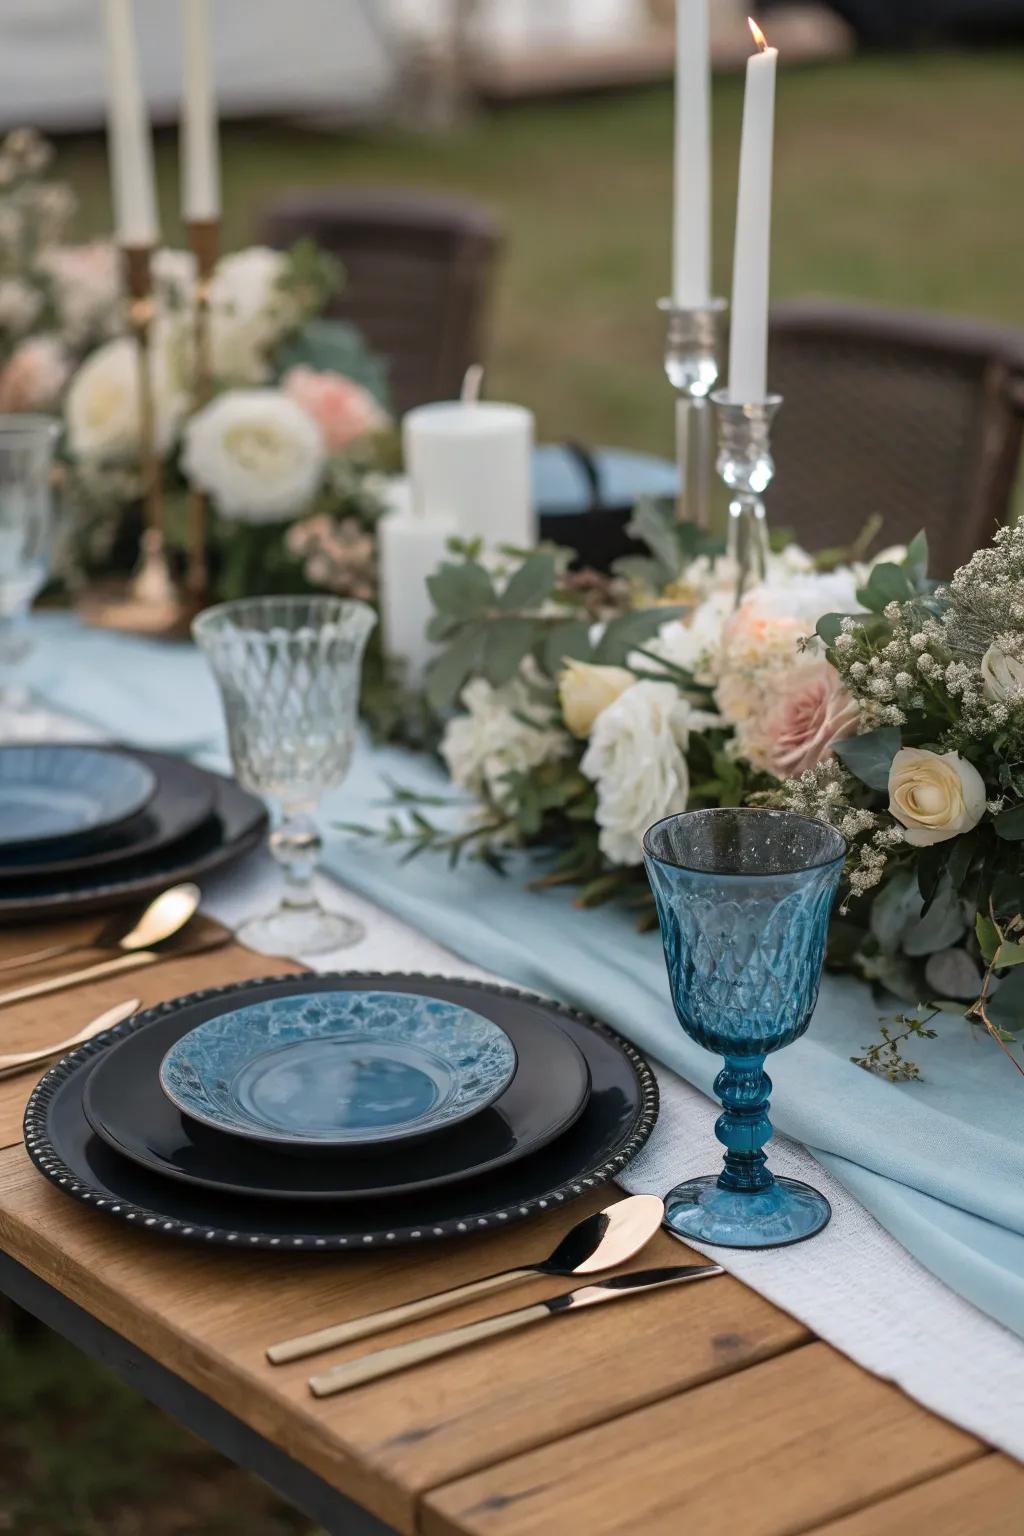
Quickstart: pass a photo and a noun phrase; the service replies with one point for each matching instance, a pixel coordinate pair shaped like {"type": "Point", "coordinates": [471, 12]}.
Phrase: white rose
{"type": "Point", "coordinates": [636, 757]}
{"type": "Point", "coordinates": [103, 416]}
{"type": "Point", "coordinates": [1002, 676]}
{"type": "Point", "coordinates": [934, 797]}
{"type": "Point", "coordinates": [492, 739]}
{"type": "Point", "coordinates": [250, 311]}
{"type": "Point", "coordinates": [584, 690]}
{"type": "Point", "coordinates": [256, 453]}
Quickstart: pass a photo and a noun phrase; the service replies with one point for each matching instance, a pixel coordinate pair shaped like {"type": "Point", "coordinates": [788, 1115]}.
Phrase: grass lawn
{"type": "Point", "coordinates": [897, 180]}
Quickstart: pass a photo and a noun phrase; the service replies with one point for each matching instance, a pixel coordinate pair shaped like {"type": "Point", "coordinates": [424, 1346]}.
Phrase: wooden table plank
{"type": "Point", "coordinates": [984, 1498]}
{"type": "Point", "coordinates": [208, 1315]}
{"type": "Point", "coordinates": [771, 1450]}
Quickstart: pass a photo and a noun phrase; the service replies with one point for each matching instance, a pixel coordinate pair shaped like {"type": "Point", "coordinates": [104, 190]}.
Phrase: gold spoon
{"type": "Point", "coordinates": [21, 1061]}
{"type": "Point", "coordinates": [164, 916]}
{"type": "Point", "coordinates": [602, 1241]}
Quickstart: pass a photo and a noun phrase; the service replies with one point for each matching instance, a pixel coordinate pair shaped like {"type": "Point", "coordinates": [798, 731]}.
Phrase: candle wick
{"type": "Point", "coordinates": [472, 384]}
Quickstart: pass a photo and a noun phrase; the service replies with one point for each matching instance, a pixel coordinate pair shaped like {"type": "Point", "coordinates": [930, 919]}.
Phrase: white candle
{"type": "Point", "coordinates": [472, 462]}
{"type": "Point", "coordinates": [199, 151]}
{"type": "Point", "coordinates": [409, 549]}
{"type": "Point", "coordinates": [691, 246]}
{"type": "Point", "coordinates": [128, 135]}
{"type": "Point", "coordinates": [748, 347]}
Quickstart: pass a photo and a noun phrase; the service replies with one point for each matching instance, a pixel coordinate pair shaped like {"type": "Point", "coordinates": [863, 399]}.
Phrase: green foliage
{"type": "Point", "coordinates": [672, 545]}
{"type": "Point", "coordinates": [334, 346]}
{"type": "Point", "coordinates": [885, 1058]}
{"type": "Point", "coordinates": [869, 757]}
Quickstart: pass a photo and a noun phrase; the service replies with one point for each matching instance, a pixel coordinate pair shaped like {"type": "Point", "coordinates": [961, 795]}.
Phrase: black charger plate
{"type": "Point", "coordinates": [184, 799]}
{"type": "Point", "coordinates": [238, 825]}
{"type": "Point", "coordinates": [617, 1120]}
{"type": "Point", "coordinates": [125, 1105]}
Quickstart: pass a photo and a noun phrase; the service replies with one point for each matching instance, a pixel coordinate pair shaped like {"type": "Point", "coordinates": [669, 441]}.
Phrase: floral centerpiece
{"type": "Point", "coordinates": [289, 449]}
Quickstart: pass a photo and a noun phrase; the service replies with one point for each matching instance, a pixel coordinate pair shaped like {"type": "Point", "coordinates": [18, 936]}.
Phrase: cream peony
{"type": "Point", "coordinates": [585, 690]}
{"type": "Point", "coordinates": [1002, 676]}
{"type": "Point", "coordinates": [103, 401]}
{"type": "Point", "coordinates": [806, 711]}
{"type": "Point", "coordinates": [637, 759]}
{"type": "Point", "coordinates": [934, 797]}
{"type": "Point", "coordinates": [493, 739]}
{"type": "Point", "coordinates": [256, 453]}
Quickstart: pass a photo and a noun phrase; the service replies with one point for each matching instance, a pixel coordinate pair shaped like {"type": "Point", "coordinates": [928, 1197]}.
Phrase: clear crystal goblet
{"type": "Point", "coordinates": [27, 444]}
{"type": "Point", "coordinates": [289, 670]}
{"type": "Point", "coordinates": [744, 898]}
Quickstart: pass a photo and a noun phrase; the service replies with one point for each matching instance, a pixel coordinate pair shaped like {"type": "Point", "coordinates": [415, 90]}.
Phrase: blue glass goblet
{"type": "Point", "coordinates": [744, 898]}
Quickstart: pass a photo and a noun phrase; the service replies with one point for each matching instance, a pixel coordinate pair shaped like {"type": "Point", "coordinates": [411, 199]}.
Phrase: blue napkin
{"type": "Point", "coordinates": [940, 1162]}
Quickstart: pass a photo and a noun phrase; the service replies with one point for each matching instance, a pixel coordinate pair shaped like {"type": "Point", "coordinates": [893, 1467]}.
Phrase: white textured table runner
{"type": "Point", "coordinates": [853, 1285]}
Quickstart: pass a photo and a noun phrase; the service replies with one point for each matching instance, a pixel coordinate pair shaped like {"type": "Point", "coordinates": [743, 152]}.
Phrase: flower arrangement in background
{"type": "Point", "coordinates": [296, 428]}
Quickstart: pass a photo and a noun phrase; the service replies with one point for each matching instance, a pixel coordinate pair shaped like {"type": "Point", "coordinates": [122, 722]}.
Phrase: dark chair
{"type": "Point", "coordinates": [913, 416]}
{"type": "Point", "coordinates": [419, 274]}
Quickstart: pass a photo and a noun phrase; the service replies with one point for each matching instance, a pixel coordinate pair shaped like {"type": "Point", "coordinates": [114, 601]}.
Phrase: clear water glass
{"type": "Point", "coordinates": [744, 899]}
{"type": "Point", "coordinates": [289, 670]}
{"type": "Point", "coordinates": [27, 444]}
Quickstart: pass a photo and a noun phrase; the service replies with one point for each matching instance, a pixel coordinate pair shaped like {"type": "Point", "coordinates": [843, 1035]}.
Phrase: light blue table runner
{"type": "Point", "coordinates": [939, 1163]}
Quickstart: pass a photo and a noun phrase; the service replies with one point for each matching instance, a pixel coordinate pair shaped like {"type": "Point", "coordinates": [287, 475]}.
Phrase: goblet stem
{"type": "Point", "coordinates": [296, 845]}
{"type": "Point", "coordinates": [744, 1088]}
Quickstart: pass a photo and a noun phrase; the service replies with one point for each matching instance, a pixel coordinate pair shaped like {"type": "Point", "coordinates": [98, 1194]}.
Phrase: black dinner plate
{"type": "Point", "coordinates": [238, 824]}
{"type": "Point", "coordinates": [126, 1106]}
{"type": "Point", "coordinates": [617, 1120]}
{"type": "Point", "coordinates": [184, 799]}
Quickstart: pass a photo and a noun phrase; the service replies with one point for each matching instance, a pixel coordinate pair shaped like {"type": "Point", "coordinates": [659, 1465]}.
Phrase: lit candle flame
{"type": "Point", "coordinates": [759, 37]}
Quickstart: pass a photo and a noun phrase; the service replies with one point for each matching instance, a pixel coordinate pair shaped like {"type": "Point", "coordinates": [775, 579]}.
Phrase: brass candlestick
{"type": "Point", "coordinates": [204, 241]}
{"type": "Point", "coordinates": [149, 603]}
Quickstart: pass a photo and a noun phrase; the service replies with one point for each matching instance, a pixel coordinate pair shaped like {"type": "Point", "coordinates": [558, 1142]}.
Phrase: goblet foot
{"type": "Point", "coordinates": [300, 931]}
{"type": "Point", "coordinates": [786, 1211]}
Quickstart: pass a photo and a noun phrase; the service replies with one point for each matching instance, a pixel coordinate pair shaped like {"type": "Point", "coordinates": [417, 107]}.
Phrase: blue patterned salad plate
{"type": "Point", "coordinates": [329, 1070]}
{"type": "Point", "coordinates": [53, 795]}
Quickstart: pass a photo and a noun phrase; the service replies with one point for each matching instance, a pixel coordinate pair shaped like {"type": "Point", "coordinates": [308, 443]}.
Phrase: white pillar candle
{"type": "Point", "coordinates": [472, 462]}
{"type": "Point", "coordinates": [128, 136]}
{"type": "Point", "coordinates": [691, 246]}
{"type": "Point", "coordinates": [748, 346]}
{"type": "Point", "coordinates": [409, 549]}
{"type": "Point", "coordinates": [199, 150]}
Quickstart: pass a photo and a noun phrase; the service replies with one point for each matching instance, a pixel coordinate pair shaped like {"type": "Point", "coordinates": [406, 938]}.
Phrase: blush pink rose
{"type": "Point", "coordinates": [343, 410]}
{"type": "Point", "coordinates": [35, 376]}
{"type": "Point", "coordinates": [808, 713]}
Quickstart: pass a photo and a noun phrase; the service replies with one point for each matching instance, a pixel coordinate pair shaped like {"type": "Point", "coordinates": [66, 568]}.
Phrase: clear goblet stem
{"type": "Point", "coordinates": [296, 845]}
{"type": "Point", "coordinates": [744, 1088]}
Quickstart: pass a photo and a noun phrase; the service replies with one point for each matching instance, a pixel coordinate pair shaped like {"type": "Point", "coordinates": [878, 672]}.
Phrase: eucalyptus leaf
{"type": "Point", "coordinates": [830, 627]}
{"type": "Point", "coordinates": [869, 757]}
{"type": "Point", "coordinates": [506, 642]}
{"type": "Point", "coordinates": [655, 524]}
{"type": "Point", "coordinates": [940, 927]}
{"type": "Point", "coordinates": [888, 583]}
{"type": "Point", "coordinates": [531, 585]}
{"type": "Point", "coordinates": [952, 973]}
{"type": "Point", "coordinates": [1009, 954]}
{"type": "Point", "coordinates": [565, 642]}
{"type": "Point", "coordinates": [624, 634]}
{"type": "Point", "coordinates": [897, 904]}
{"type": "Point", "coordinates": [1009, 825]}
{"type": "Point", "coordinates": [915, 562]}
{"type": "Point", "coordinates": [462, 591]}
{"type": "Point", "coordinates": [987, 935]}
{"type": "Point", "coordinates": [447, 672]}
{"type": "Point", "coordinates": [1005, 1008]}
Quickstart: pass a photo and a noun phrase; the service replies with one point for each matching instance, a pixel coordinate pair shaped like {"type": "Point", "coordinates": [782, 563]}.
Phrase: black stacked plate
{"type": "Point", "coordinates": [193, 823]}
{"type": "Point", "coordinates": [580, 1105]}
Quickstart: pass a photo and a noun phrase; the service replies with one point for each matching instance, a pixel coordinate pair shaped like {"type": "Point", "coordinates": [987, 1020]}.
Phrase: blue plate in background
{"type": "Point", "coordinates": [53, 795]}
{"type": "Point", "coordinates": [328, 1070]}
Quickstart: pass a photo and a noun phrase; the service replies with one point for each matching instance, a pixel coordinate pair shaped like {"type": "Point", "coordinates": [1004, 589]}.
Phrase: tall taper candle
{"type": "Point", "coordinates": [748, 347]}
{"type": "Point", "coordinates": [130, 143]}
{"type": "Point", "coordinates": [691, 246]}
{"type": "Point", "coordinates": [199, 150]}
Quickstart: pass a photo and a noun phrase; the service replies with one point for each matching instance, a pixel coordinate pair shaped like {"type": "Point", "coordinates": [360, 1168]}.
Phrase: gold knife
{"type": "Point", "coordinates": [21, 1061]}
{"type": "Point", "coordinates": [384, 1362]}
{"type": "Point", "coordinates": [131, 962]}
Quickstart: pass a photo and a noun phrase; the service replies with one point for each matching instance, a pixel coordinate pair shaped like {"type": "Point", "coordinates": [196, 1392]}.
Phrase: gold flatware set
{"type": "Point", "coordinates": [600, 1242]}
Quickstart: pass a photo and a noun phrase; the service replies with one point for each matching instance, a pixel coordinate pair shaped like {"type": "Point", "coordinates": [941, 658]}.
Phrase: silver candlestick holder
{"type": "Point", "coordinates": [693, 338]}
{"type": "Point", "coordinates": [746, 467]}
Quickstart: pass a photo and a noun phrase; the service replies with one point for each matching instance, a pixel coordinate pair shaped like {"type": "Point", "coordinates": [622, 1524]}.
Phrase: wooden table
{"type": "Point", "coordinates": [705, 1403]}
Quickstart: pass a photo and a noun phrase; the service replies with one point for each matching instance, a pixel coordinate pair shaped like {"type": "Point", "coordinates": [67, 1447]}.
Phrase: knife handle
{"type": "Point", "coordinates": [384, 1362]}
{"type": "Point", "coordinates": [392, 1317]}
{"type": "Point", "coordinates": [75, 978]}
